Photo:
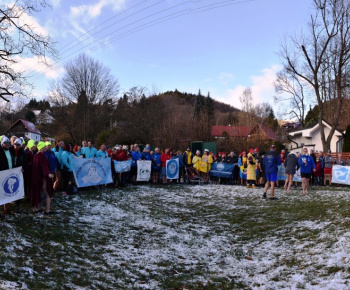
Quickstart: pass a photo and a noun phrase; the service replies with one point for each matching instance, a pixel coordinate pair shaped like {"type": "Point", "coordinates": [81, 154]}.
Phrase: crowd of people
{"type": "Point", "coordinates": [49, 167]}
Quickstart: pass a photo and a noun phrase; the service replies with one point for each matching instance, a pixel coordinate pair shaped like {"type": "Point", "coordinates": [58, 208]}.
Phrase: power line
{"type": "Point", "coordinates": [125, 26]}
{"type": "Point", "coordinates": [149, 24]}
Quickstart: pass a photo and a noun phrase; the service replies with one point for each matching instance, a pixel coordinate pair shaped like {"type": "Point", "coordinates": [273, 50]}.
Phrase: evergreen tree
{"type": "Point", "coordinates": [311, 118]}
{"type": "Point", "coordinates": [271, 121]}
{"type": "Point", "coordinates": [198, 104]}
{"type": "Point", "coordinates": [346, 144]}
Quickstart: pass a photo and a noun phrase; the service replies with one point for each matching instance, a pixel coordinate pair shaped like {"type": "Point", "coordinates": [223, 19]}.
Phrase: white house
{"type": "Point", "coordinates": [311, 138]}
{"type": "Point", "coordinates": [23, 128]}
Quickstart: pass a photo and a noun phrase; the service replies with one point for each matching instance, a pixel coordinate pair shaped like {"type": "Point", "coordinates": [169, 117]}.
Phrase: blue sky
{"type": "Point", "coordinates": [220, 50]}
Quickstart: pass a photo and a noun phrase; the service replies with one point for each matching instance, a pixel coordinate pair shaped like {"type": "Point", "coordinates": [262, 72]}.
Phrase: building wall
{"type": "Point", "coordinates": [316, 140]}
{"type": "Point", "coordinates": [35, 137]}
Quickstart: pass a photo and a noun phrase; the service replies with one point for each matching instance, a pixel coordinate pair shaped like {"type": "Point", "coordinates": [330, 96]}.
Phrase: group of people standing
{"type": "Point", "coordinates": [49, 167]}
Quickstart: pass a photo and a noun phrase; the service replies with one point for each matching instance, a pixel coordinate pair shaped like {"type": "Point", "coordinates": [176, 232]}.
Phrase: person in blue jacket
{"type": "Point", "coordinates": [90, 151]}
{"type": "Point", "coordinates": [179, 156]}
{"type": "Point", "coordinates": [271, 161]}
{"type": "Point", "coordinates": [136, 155]}
{"type": "Point", "coordinates": [146, 155]}
{"type": "Point", "coordinates": [67, 167]}
{"type": "Point", "coordinates": [102, 153]}
{"type": "Point", "coordinates": [156, 165]}
{"type": "Point", "coordinates": [307, 165]}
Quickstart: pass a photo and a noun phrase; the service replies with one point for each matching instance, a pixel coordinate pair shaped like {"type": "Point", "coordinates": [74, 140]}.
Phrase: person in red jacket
{"type": "Point", "coordinates": [40, 175]}
{"type": "Point", "coordinates": [163, 158]}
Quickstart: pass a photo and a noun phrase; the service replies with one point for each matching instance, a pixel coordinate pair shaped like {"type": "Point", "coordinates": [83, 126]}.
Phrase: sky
{"type": "Point", "coordinates": [218, 46]}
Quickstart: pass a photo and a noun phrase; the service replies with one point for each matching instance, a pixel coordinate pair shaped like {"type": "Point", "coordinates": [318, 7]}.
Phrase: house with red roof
{"type": "Point", "coordinates": [23, 128]}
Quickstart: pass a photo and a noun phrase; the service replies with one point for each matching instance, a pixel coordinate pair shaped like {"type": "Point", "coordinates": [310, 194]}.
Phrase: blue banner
{"type": "Point", "coordinates": [281, 174]}
{"type": "Point", "coordinates": [172, 169]}
{"type": "Point", "coordinates": [222, 170]}
{"type": "Point", "coordinates": [122, 166]}
{"type": "Point", "coordinates": [92, 171]}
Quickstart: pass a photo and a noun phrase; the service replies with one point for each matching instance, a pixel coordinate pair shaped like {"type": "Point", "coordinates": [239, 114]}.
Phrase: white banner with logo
{"type": "Point", "coordinates": [341, 174]}
{"type": "Point", "coordinates": [12, 187]}
{"type": "Point", "coordinates": [143, 170]}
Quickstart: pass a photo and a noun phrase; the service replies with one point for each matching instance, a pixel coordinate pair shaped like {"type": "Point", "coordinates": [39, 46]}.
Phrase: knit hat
{"type": "Point", "coordinates": [206, 150]}
{"type": "Point", "coordinates": [18, 141]}
{"type": "Point", "coordinates": [4, 139]}
{"type": "Point", "coordinates": [41, 145]}
{"type": "Point", "coordinates": [30, 143]}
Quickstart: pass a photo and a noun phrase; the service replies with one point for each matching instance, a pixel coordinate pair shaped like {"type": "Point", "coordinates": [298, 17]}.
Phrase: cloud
{"type": "Point", "coordinates": [28, 20]}
{"type": "Point", "coordinates": [261, 85]}
{"type": "Point", "coordinates": [33, 65]}
{"type": "Point", "coordinates": [55, 3]}
{"type": "Point", "coordinates": [226, 78]}
{"type": "Point", "coordinates": [94, 10]}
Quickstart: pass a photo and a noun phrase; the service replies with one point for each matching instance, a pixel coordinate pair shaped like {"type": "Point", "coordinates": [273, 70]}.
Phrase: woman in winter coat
{"type": "Point", "coordinates": [251, 166]}
{"type": "Point", "coordinates": [207, 160]}
{"type": "Point", "coordinates": [291, 164]}
{"type": "Point", "coordinates": [196, 160]}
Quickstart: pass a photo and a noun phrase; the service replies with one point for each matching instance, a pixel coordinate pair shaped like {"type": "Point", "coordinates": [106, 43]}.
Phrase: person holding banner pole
{"type": "Point", "coordinates": [40, 174]}
{"type": "Point", "coordinates": [7, 159]}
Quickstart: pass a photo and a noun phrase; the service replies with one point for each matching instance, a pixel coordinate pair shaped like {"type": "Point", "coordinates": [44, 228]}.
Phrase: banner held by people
{"type": "Point", "coordinates": [122, 166]}
{"type": "Point", "coordinates": [341, 174]}
{"type": "Point", "coordinates": [143, 170]}
{"type": "Point", "coordinates": [172, 169]}
{"type": "Point", "coordinates": [222, 170]}
{"type": "Point", "coordinates": [12, 187]}
{"type": "Point", "coordinates": [92, 171]}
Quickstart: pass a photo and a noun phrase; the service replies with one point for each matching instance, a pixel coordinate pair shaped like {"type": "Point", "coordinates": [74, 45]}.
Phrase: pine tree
{"type": "Point", "coordinates": [198, 104]}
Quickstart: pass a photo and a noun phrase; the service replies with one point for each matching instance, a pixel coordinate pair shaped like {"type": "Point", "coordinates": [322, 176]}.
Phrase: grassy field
{"type": "Point", "coordinates": [180, 237]}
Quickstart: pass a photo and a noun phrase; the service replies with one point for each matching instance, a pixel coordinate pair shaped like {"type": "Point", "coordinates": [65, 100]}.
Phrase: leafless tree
{"type": "Point", "coordinates": [247, 107]}
{"type": "Point", "coordinates": [321, 58]}
{"type": "Point", "coordinates": [85, 98]}
{"type": "Point", "coordinates": [19, 38]}
{"type": "Point", "coordinates": [293, 94]}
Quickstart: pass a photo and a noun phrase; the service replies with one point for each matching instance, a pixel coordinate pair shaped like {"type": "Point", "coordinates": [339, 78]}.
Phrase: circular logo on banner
{"type": "Point", "coordinates": [172, 169]}
{"type": "Point", "coordinates": [220, 167]}
{"type": "Point", "coordinates": [10, 185]}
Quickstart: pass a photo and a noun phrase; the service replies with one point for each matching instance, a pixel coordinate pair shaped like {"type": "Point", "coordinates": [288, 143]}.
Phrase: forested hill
{"type": "Point", "coordinates": [179, 98]}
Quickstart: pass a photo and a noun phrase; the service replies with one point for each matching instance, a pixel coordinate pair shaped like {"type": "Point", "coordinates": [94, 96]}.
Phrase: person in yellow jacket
{"type": "Point", "coordinates": [205, 165]}
{"type": "Point", "coordinates": [196, 160]}
{"type": "Point", "coordinates": [251, 175]}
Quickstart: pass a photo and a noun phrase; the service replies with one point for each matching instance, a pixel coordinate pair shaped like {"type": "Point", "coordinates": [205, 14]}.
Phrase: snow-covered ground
{"type": "Point", "coordinates": [181, 237]}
